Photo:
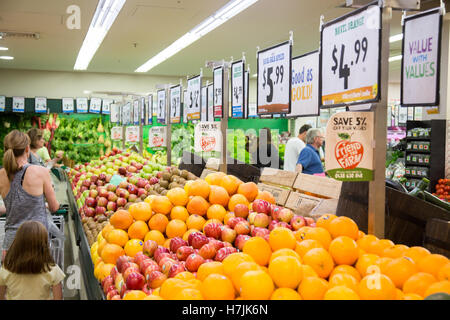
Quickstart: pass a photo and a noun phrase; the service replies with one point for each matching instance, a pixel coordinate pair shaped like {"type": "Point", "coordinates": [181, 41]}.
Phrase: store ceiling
{"type": "Point", "coordinates": [145, 27]}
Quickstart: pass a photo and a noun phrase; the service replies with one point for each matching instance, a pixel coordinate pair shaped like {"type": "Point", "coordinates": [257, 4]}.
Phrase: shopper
{"type": "Point", "coordinates": [29, 271]}
{"type": "Point", "coordinates": [309, 159]}
{"type": "Point", "coordinates": [293, 148]}
{"type": "Point", "coordinates": [23, 187]}
{"type": "Point", "coordinates": [37, 142]}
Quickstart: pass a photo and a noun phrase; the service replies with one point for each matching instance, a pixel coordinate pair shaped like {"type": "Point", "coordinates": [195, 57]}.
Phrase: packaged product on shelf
{"type": "Point", "coordinates": [426, 145]}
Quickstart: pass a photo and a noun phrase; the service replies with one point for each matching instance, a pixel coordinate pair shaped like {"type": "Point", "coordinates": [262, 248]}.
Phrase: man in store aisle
{"type": "Point", "coordinates": [293, 148]}
{"type": "Point", "coordinates": [309, 159]}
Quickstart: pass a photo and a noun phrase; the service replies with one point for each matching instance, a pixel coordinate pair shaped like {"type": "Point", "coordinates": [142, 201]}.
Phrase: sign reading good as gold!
{"type": "Point", "coordinates": [348, 148]}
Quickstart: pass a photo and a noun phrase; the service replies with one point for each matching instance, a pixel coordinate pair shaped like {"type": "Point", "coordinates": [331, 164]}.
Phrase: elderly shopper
{"type": "Point", "coordinates": [309, 159]}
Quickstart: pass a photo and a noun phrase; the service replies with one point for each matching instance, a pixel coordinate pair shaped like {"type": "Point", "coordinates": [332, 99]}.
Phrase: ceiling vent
{"type": "Point", "coordinates": [17, 35]}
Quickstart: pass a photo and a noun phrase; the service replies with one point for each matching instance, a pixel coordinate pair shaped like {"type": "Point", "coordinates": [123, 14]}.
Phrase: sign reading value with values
{"type": "Point", "coordinates": [207, 137]}
{"type": "Point", "coordinates": [348, 151]}
{"type": "Point", "coordinates": [193, 98]}
{"type": "Point", "coordinates": [350, 58]}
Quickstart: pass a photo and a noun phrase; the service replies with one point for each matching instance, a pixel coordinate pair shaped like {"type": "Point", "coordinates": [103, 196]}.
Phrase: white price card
{"type": "Point", "coordinates": [350, 58]}
{"type": "Point", "coordinates": [82, 105]}
{"type": "Point", "coordinates": [157, 137]}
{"type": "Point", "coordinates": [402, 115]}
{"type": "Point", "coordinates": [207, 137]}
{"type": "Point", "coordinates": [132, 134]}
{"type": "Point", "coordinates": [149, 109]}
{"type": "Point", "coordinates": [2, 103]}
{"type": "Point", "coordinates": [18, 104]}
{"type": "Point", "coordinates": [218, 92]}
{"type": "Point", "coordinates": [116, 133]}
{"type": "Point", "coordinates": [274, 79]}
{"type": "Point", "coordinates": [114, 117]}
{"type": "Point", "coordinates": [305, 85]}
{"type": "Point", "coordinates": [67, 105]}
{"type": "Point", "coordinates": [211, 103]}
{"type": "Point", "coordinates": [40, 104]}
{"type": "Point", "coordinates": [204, 106]}
{"type": "Point", "coordinates": [106, 106]}
{"type": "Point", "coordinates": [237, 89]}
{"type": "Point", "coordinates": [136, 112]}
{"type": "Point", "coordinates": [175, 104]}
{"type": "Point", "coordinates": [95, 105]}
{"type": "Point", "coordinates": [421, 59]}
{"type": "Point", "coordinates": [126, 114]}
{"type": "Point", "coordinates": [193, 97]}
{"type": "Point", "coordinates": [161, 107]}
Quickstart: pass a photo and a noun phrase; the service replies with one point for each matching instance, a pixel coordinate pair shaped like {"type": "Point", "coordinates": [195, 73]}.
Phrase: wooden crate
{"type": "Point", "coordinates": [321, 187]}
{"type": "Point", "coordinates": [437, 236]}
{"type": "Point", "coordinates": [280, 194]}
{"type": "Point", "coordinates": [213, 164]}
{"type": "Point", "coordinates": [302, 204]}
{"type": "Point", "coordinates": [278, 177]}
{"type": "Point", "coordinates": [325, 206]}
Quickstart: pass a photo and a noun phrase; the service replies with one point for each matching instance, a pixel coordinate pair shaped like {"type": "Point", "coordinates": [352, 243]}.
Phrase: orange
{"type": "Point", "coordinates": [399, 270]}
{"type": "Point", "coordinates": [138, 230]}
{"type": "Point", "coordinates": [285, 252]}
{"type": "Point", "coordinates": [347, 270]}
{"type": "Point", "coordinates": [107, 228]}
{"type": "Point", "coordinates": [366, 241]}
{"type": "Point", "coordinates": [343, 226]}
{"type": "Point", "coordinates": [121, 219]}
{"type": "Point", "coordinates": [308, 271]}
{"type": "Point", "coordinates": [188, 294]}
{"type": "Point", "coordinates": [228, 216]}
{"type": "Point", "coordinates": [367, 263]}
{"type": "Point", "coordinates": [444, 272]}
{"type": "Point", "coordinates": [235, 200]}
{"type": "Point", "coordinates": [111, 252]}
{"type": "Point", "coordinates": [376, 286]}
{"type": "Point", "coordinates": [195, 283]}
{"type": "Point", "coordinates": [285, 294]}
{"type": "Point", "coordinates": [152, 297]}
{"type": "Point", "coordinates": [230, 183]}
{"type": "Point", "coordinates": [341, 293]}
{"type": "Point", "coordinates": [412, 296]}
{"type": "Point", "coordinates": [149, 199]}
{"type": "Point", "coordinates": [179, 212]}
{"type": "Point", "coordinates": [215, 178]}
{"type": "Point", "coordinates": [197, 205]}
{"type": "Point", "coordinates": [133, 246]}
{"type": "Point", "coordinates": [266, 195]}
{"type": "Point", "coordinates": [233, 260]}
{"type": "Point", "coordinates": [319, 234]}
{"type": "Point", "coordinates": [258, 249]}
{"type": "Point", "coordinates": [248, 190]}
{"type": "Point", "coordinates": [286, 272]}
{"type": "Point", "coordinates": [432, 263]}
{"type": "Point", "coordinates": [161, 204]}
{"type": "Point", "coordinates": [218, 195]}
{"type": "Point", "coordinates": [360, 234]}
{"type": "Point", "coordinates": [256, 285]}
{"type": "Point", "coordinates": [324, 220]}
{"type": "Point", "coordinates": [175, 228]}
{"type": "Point", "coordinates": [399, 294]}
{"type": "Point", "coordinates": [117, 236]}
{"type": "Point", "coordinates": [167, 244]}
{"type": "Point", "coordinates": [396, 251]}
{"type": "Point", "coordinates": [185, 275]}
{"type": "Point", "coordinates": [280, 238]}
{"type": "Point", "coordinates": [441, 286]}
{"type": "Point", "coordinates": [239, 271]}
{"type": "Point", "coordinates": [141, 211]}
{"type": "Point", "coordinates": [417, 253]}
{"type": "Point", "coordinates": [158, 222]}
{"type": "Point", "coordinates": [200, 188]}
{"type": "Point", "coordinates": [209, 268]}
{"type": "Point", "coordinates": [378, 246]}
{"type": "Point", "coordinates": [344, 250]}
{"type": "Point", "coordinates": [217, 287]}
{"type": "Point", "coordinates": [313, 288]}
{"type": "Point", "coordinates": [178, 196]}
{"type": "Point", "coordinates": [383, 263]}
{"type": "Point", "coordinates": [343, 279]}
{"type": "Point", "coordinates": [301, 233]}
{"type": "Point", "coordinates": [100, 246]}
{"type": "Point", "coordinates": [320, 260]}
{"type": "Point", "coordinates": [155, 235]}
{"type": "Point", "coordinates": [216, 211]}
{"type": "Point", "coordinates": [171, 287]}
{"type": "Point", "coordinates": [419, 283]}
{"type": "Point", "coordinates": [304, 246]}
{"type": "Point", "coordinates": [187, 233]}
{"type": "Point", "coordinates": [135, 295]}
{"type": "Point", "coordinates": [195, 222]}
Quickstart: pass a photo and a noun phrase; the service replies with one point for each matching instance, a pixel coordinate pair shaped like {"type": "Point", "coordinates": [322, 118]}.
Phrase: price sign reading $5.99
{"type": "Point", "coordinates": [349, 59]}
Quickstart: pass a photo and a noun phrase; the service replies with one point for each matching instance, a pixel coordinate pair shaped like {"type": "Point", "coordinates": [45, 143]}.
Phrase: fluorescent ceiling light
{"type": "Point", "coordinates": [105, 14]}
{"type": "Point", "coordinates": [6, 58]}
{"type": "Point", "coordinates": [396, 38]}
{"type": "Point", "coordinates": [255, 75]}
{"type": "Point", "coordinates": [395, 58]}
{"type": "Point", "coordinates": [3, 49]}
{"type": "Point", "coordinates": [225, 13]}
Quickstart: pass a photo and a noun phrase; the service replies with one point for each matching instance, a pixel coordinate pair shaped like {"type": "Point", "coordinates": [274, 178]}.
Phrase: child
{"type": "Point", "coordinates": [29, 271]}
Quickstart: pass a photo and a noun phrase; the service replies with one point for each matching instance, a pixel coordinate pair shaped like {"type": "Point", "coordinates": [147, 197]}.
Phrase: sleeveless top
{"type": "Point", "coordinates": [20, 207]}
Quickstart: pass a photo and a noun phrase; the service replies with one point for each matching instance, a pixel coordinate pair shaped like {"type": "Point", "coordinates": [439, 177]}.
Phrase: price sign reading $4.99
{"type": "Point", "coordinates": [350, 58]}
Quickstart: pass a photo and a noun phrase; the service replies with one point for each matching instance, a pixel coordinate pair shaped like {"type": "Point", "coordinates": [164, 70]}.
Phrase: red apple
{"type": "Point", "coordinates": [197, 240]}
{"type": "Point", "coordinates": [112, 196]}
{"type": "Point", "coordinates": [184, 252]}
{"type": "Point", "coordinates": [176, 269]}
{"type": "Point", "coordinates": [213, 230]}
{"type": "Point", "coordinates": [141, 183]}
{"type": "Point", "coordinates": [208, 251]}
{"type": "Point", "coordinates": [242, 227]}
{"type": "Point", "coordinates": [90, 202]}
{"type": "Point", "coordinates": [149, 248]}
{"type": "Point", "coordinates": [285, 215]}
{"type": "Point", "coordinates": [193, 262]}
{"type": "Point", "coordinates": [156, 279]}
{"type": "Point", "coordinates": [176, 243]}
{"type": "Point", "coordinates": [142, 192]}
{"type": "Point", "coordinates": [89, 212]}
{"type": "Point", "coordinates": [274, 210]}
{"type": "Point", "coordinates": [112, 294]}
{"type": "Point", "coordinates": [224, 252]}
{"type": "Point", "coordinates": [261, 220]}
{"type": "Point", "coordinates": [139, 257]}
{"type": "Point", "coordinates": [251, 217]}
{"type": "Point", "coordinates": [93, 178]}
{"type": "Point", "coordinates": [121, 202]}
{"type": "Point", "coordinates": [309, 221]}
{"type": "Point", "coordinates": [233, 221]}
{"type": "Point", "coordinates": [135, 281]}
{"type": "Point", "coordinates": [132, 198]}
{"type": "Point", "coordinates": [153, 180]}
{"type": "Point", "coordinates": [160, 250]}
{"type": "Point", "coordinates": [102, 176]}
{"type": "Point", "coordinates": [241, 210]}
{"type": "Point", "coordinates": [106, 283]}
{"type": "Point", "coordinates": [297, 222]}
{"type": "Point", "coordinates": [132, 189]}
{"type": "Point", "coordinates": [259, 232]}
{"type": "Point", "coordinates": [147, 290]}
{"type": "Point", "coordinates": [132, 169]}
{"type": "Point", "coordinates": [103, 192]}
{"type": "Point", "coordinates": [217, 243]}
{"type": "Point", "coordinates": [240, 241]}
{"type": "Point", "coordinates": [150, 269]}
{"type": "Point", "coordinates": [111, 187]}
{"type": "Point", "coordinates": [122, 171]}
{"type": "Point", "coordinates": [228, 235]}
{"type": "Point", "coordinates": [111, 206]}
{"type": "Point", "coordinates": [261, 206]}
{"type": "Point", "coordinates": [93, 193]}
{"type": "Point", "coordinates": [121, 261]}
{"type": "Point", "coordinates": [166, 264]}
{"type": "Point", "coordinates": [114, 272]}
{"type": "Point", "coordinates": [100, 183]}
{"type": "Point", "coordinates": [100, 211]}
{"type": "Point", "coordinates": [129, 271]}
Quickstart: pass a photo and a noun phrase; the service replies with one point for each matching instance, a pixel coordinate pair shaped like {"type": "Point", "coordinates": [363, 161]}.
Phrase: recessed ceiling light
{"type": "Point", "coordinates": [6, 57]}
{"type": "Point", "coordinates": [3, 48]}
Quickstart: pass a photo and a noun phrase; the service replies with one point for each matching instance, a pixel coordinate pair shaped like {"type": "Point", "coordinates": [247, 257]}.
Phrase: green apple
{"type": "Point", "coordinates": [110, 171]}
{"type": "Point", "coordinates": [89, 174]}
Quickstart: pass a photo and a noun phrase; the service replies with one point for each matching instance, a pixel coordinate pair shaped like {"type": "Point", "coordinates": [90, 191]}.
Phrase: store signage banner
{"type": "Point", "coordinates": [237, 89]}
{"type": "Point", "coordinates": [116, 133]}
{"type": "Point", "coordinates": [106, 106]}
{"type": "Point", "coordinates": [136, 112]}
{"type": "Point", "coordinates": [40, 104]}
{"type": "Point", "coordinates": [211, 103]}
{"type": "Point", "coordinates": [126, 114]}
{"type": "Point", "coordinates": [114, 118]}
{"type": "Point", "coordinates": [18, 104]}
{"type": "Point", "coordinates": [161, 107]}
{"type": "Point", "coordinates": [349, 146]}
{"type": "Point", "coordinates": [67, 105]}
{"type": "Point", "coordinates": [157, 137]}
{"type": "Point", "coordinates": [175, 104]}
{"type": "Point", "coordinates": [2, 103]}
{"type": "Point", "coordinates": [193, 98]}
{"type": "Point", "coordinates": [350, 58]}
{"type": "Point", "coordinates": [218, 92]}
{"type": "Point", "coordinates": [421, 59]}
{"type": "Point", "coordinates": [82, 105]}
{"type": "Point", "coordinates": [204, 106]}
{"type": "Point", "coordinates": [132, 134]}
{"type": "Point", "coordinates": [95, 105]}
{"type": "Point", "coordinates": [274, 79]}
{"type": "Point", "coordinates": [207, 137]}
{"type": "Point", "coordinates": [305, 85]}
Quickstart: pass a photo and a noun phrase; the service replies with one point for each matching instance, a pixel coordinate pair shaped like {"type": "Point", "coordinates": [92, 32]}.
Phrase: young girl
{"type": "Point", "coordinates": [29, 271]}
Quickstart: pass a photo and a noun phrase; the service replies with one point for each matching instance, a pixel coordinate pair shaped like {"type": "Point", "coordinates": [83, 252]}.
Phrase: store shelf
{"type": "Point", "coordinates": [418, 138]}
{"type": "Point", "coordinates": [415, 176]}
{"type": "Point", "coordinates": [417, 164]}
{"type": "Point", "coordinates": [418, 151]}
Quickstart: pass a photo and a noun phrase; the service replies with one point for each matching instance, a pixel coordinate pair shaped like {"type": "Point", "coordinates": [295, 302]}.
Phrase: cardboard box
{"type": "Point", "coordinates": [205, 172]}
{"type": "Point", "coordinates": [324, 207]}
{"type": "Point", "coordinates": [321, 187]}
{"type": "Point", "coordinates": [278, 177]}
{"type": "Point", "coordinates": [280, 194]}
{"type": "Point", "coordinates": [302, 204]}
{"type": "Point", "coordinates": [213, 164]}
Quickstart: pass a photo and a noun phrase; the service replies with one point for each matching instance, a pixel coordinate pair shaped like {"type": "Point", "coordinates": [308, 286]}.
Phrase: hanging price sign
{"type": "Point", "coordinates": [126, 114]}
{"type": "Point", "coordinates": [175, 104]}
{"type": "Point", "coordinates": [157, 137]}
{"type": "Point", "coordinates": [204, 106]}
{"type": "Point", "coordinates": [132, 134]}
{"type": "Point", "coordinates": [211, 103]}
{"type": "Point", "coordinates": [2, 103]}
{"type": "Point", "coordinates": [274, 79]}
{"type": "Point", "coordinates": [207, 137]}
{"type": "Point", "coordinates": [95, 106]}
{"type": "Point", "coordinates": [142, 110]}
{"type": "Point", "coordinates": [161, 107]}
{"type": "Point", "coordinates": [116, 133]}
{"type": "Point", "coordinates": [193, 97]}
{"type": "Point", "coordinates": [218, 92]}
{"type": "Point", "coordinates": [18, 104]}
{"type": "Point", "coordinates": [184, 106]}
{"type": "Point", "coordinates": [350, 58]}
{"type": "Point", "coordinates": [40, 105]}
{"type": "Point", "coordinates": [237, 89]}
{"type": "Point", "coordinates": [136, 112]}
{"type": "Point", "coordinates": [114, 118]}
{"type": "Point", "coordinates": [106, 106]}
{"type": "Point", "coordinates": [67, 105]}
{"type": "Point", "coordinates": [82, 105]}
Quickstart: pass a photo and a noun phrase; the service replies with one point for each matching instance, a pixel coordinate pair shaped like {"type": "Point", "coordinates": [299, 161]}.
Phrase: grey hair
{"type": "Point", "coordinates": [312, 134]}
